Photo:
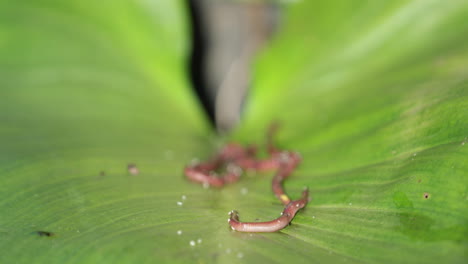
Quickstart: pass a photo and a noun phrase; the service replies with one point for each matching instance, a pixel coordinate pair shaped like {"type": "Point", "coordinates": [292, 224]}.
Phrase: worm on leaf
{"type": "Point", "coordinates": [270, 226]}
{"type": "Point", "coordinates": [236, 158]}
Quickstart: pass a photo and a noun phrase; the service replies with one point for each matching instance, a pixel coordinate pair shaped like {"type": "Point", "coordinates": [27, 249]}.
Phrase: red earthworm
{"type": "Point", "coordinates": [204, 177]}
{"type": "Point", "coordinates": [229, 156]}
{"type": "Point", "coordinates": [236, 157]}
{"type": "Point", "coordinates": [236, 160]}
{"type": "Point", "coordinates": [204, 173]}
{"type": "Point", "coordinates": [271, 226]}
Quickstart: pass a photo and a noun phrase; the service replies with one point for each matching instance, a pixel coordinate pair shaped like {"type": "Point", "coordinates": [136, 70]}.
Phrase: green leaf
{"type": "Point", "coordinates": [372, 94]}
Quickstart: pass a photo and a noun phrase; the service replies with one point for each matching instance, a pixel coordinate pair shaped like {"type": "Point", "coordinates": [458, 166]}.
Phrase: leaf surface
{"type": "Point", "coordinates": [373, 95]}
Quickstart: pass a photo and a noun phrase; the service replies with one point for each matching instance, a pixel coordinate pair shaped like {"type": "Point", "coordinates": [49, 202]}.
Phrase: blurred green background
{"type": "Point", "coordinates": [372, 94]}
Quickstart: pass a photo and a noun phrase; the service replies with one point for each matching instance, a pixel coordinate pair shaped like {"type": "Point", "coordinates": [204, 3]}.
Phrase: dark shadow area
{"type": "Point", "coordinates": [198, 60]}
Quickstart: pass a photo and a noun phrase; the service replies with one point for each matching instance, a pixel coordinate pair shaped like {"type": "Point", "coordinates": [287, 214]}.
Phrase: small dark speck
{"type": "Point", "coordinates": [426, 195]}
{"type": "Point", "coordinates": [132, 169]}
{"type": "Point", "coordinates": [419, 181]}
{"type": "Point", "coordinates": [102, 173]}
{"type": "Point", "coordinates": [45, 233]}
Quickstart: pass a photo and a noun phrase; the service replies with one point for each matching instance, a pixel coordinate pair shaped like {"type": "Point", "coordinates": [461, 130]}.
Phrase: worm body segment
{"type": "Point", "coordinates": [270, 226]}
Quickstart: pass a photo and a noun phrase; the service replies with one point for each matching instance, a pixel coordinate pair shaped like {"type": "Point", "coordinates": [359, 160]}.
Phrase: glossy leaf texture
{"type": "Point", "coordinates": [372, 94]}
{"type": "Point", "coordinates": [87, 88]}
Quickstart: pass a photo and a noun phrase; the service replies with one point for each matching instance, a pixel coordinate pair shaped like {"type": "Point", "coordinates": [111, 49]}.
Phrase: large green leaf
{"type": "Point", "coordinates": [373, 95]}
{"type": "Point", "coordinates": [86, 88]}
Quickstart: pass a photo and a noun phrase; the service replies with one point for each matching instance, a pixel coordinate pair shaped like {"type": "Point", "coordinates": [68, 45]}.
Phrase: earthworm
{"type": "Point", "coordinates": [270, 226]}
{"type": "Point", "coordinates": [237, 158]}
{"type": "Point", "coordinates": [204, 172]}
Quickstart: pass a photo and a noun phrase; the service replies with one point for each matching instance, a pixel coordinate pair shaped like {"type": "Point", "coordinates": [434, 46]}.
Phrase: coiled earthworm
{"type": "Point", "coordinates": [202, 174]}
{"type": "Point", "coordinates": [237, 158]}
